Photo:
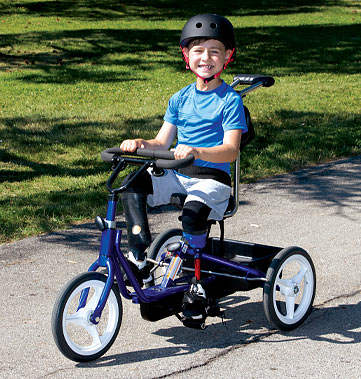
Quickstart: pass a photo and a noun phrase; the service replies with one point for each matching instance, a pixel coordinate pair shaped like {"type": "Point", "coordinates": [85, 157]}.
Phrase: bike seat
{"type": "Point", "coordinates": [178, 199]}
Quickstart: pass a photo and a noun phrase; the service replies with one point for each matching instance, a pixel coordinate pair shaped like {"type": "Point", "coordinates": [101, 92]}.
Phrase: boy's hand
{"type": "Point", "coordinates": [182, 151]}
{"type": "Point", "coordinates": [131, 145]}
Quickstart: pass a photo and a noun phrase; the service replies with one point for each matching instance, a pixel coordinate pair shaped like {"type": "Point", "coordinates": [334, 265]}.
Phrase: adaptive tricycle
{"type": "Point", "coordinates": [88, 312]}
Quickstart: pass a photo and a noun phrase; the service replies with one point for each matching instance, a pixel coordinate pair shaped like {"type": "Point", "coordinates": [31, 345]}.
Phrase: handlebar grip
{"type": "Point", "coordinates": [250, 79]}
{"type": "Point", "coordinates": [176, 163]}
{"type": "Point", "coordinates": [164, 158]}
{"type": "Point", "coordinates": [108, 154]}
{"type": "Point", "coordinates": [156, 154]}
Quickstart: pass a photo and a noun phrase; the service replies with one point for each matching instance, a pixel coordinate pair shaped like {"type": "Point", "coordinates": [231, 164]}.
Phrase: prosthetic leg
{"type": "Point", "coordinates": [139, 237]}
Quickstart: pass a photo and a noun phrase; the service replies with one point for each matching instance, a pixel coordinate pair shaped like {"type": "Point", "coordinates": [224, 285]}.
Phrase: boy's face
{"type": "Point", "coordinates": [208, 57]}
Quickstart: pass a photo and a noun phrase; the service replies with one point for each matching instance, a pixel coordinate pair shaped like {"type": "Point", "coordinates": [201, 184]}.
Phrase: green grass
{"type": "Point", "coordinates": [77, 77]}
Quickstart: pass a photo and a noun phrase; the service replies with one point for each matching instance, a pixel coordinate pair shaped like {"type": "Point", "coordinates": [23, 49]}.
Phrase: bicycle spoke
{"type": "Point", "coordinates": [93, 302]}
{"type": "Point", "coordinates": [75, 318]}
{"type": "Point", "coordinates": [285, 285]}
{"type": "Point", "coordinates": [93, 331]}
{"type": "Point", "coordinates": [300, 275]}
{"type": "Point", "coordinates": [290, 307]}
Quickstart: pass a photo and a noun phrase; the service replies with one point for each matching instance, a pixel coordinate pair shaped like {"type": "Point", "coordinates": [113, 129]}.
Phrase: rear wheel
{"type": "Point", "coordinates": [75, 335]}
{"type": "Point", "coordinates": [159, 246]}
{"type": "Point", "coordinates": [290, 288]}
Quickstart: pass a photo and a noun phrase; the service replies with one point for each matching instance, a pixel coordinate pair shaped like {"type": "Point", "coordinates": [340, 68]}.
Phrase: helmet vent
{"type": "Point", "coordinates": [198, 25]}
{"type": "Point", "coordinates": [213, 25]}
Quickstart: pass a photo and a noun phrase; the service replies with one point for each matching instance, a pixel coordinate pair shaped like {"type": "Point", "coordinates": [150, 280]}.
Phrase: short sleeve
{"type": "Point", "coordinates": [233, 115]}
{"type": "Point", "coordinates": [171, 115]}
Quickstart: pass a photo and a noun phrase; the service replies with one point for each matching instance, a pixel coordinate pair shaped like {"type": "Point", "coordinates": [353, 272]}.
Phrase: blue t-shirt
{"type": "Point", "coordinates": [202, 117]}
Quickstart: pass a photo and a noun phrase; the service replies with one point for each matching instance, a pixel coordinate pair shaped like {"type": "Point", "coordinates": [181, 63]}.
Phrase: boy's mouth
{"type": "Point", "coordinates": [205, 67]}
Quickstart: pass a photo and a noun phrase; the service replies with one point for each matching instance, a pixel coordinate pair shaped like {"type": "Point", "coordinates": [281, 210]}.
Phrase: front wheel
{"type": "Point", "coordinates": [75, 335]}
{"type": "Point", "coordinates": [289, 291]}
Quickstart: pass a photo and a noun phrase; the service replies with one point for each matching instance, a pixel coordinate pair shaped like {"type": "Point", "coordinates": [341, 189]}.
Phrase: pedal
{"type": "Point", "coordinates": [194, 306]}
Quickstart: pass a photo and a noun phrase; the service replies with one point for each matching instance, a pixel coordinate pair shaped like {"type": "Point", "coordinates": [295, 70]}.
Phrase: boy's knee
{"type": "Point", "coordinates": [194, 217]}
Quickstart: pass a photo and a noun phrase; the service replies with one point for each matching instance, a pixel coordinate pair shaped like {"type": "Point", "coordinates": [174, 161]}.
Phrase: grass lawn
{"type": "Point", "coordinates": [78, 77]}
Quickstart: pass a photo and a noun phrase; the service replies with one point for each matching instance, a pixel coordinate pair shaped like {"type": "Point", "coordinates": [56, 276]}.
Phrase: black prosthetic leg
{"type": "Point", "coordinates": [139, 237]}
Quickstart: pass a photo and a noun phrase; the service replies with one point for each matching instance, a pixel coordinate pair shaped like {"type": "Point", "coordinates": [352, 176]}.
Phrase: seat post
{"type": "Point", "coordinates": [236, 177]}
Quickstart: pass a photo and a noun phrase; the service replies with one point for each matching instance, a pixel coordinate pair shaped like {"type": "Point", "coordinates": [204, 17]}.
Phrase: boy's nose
{"type": "Point", "coordinates": [206, 54]}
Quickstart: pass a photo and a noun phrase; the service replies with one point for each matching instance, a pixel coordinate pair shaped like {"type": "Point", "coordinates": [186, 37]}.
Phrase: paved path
{"type": "Point", "coordinates": [318, 209]}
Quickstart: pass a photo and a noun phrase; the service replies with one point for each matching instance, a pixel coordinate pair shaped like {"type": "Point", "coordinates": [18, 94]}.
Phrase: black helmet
{"type": "Point", "coordinates": [211, 26]}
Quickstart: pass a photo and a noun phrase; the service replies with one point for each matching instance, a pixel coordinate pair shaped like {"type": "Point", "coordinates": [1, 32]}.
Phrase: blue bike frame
{"type": "Point", "coordinates": [111, 257]}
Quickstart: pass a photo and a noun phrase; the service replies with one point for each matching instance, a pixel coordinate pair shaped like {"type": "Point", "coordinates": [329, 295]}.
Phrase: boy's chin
{"type": "Point", "coordinates": [205, 72]}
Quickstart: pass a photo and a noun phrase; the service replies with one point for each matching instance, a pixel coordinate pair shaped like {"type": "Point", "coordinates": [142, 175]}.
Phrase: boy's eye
{"type": "Point", "coordinates": [200, 51]}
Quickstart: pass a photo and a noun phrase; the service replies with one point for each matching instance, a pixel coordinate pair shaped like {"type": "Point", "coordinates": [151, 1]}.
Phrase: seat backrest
{"type": "Point", "coordinates": [250, 134]}
{"type": "Point", "coordinates": [245, 140]}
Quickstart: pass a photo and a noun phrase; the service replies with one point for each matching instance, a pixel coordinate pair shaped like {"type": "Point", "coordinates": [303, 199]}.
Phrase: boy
{"type": "Point", "coordinates": [207, 118]}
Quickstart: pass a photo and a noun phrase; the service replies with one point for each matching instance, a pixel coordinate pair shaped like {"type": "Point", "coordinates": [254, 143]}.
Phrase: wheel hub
{"type": "Point", "coordinates": [88, 317]}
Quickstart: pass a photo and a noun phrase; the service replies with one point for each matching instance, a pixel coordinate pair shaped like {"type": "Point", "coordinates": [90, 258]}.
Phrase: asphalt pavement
{"type": "Point", "coordinates": [318, 208]}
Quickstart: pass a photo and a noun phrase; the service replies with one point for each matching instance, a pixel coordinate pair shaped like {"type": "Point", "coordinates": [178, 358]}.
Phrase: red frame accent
{"type": "Point", "coordinates": [197, 268]}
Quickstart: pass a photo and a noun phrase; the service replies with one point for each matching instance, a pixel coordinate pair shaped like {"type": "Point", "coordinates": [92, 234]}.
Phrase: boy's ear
{"type": "Point", "coordinates": [186, 51]}
{"type": "Point", "coordinates": [228, 54]}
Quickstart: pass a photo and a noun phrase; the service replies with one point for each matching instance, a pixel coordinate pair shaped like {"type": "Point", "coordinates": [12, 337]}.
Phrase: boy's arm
{"type": "Point", "coordinates": [162, 141]}
{"type": "Point", "coordinates": [227, 152]}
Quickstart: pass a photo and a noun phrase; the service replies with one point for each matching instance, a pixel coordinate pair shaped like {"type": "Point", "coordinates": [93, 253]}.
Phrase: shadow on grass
{"type": "Point", "coordinates": [54, 139]}
{"type": "Point", "coordinates": [57, 152]}
{"type": "Point", "coordinates": [103, 55]}
{"type": "Point", "coordinates": [155, 10]}
{"type": "Point", "coordinates": [295, 139]}
{"type": "Point", "coordinates": [116, 54]}
{"type": "Point", "coordinates": [48, 211]}
{"type": "Point", "coordinates": [288, 141]}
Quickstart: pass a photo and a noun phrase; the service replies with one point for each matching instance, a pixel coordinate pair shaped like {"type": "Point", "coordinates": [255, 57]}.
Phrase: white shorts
{"type": "Point", "coordinates": [208, 191]}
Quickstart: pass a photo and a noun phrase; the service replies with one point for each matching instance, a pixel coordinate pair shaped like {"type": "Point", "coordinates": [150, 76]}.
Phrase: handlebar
{"type": "Point", "coordinates": [251, 79]}
{"type": "Point", "coordinates": [163, 158]}
{"type": "Point", "coordinates": [254, 82]}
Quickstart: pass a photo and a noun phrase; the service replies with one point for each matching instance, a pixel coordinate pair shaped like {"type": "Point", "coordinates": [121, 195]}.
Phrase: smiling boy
{"type": "Point", "coordinates": [207, 119]}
